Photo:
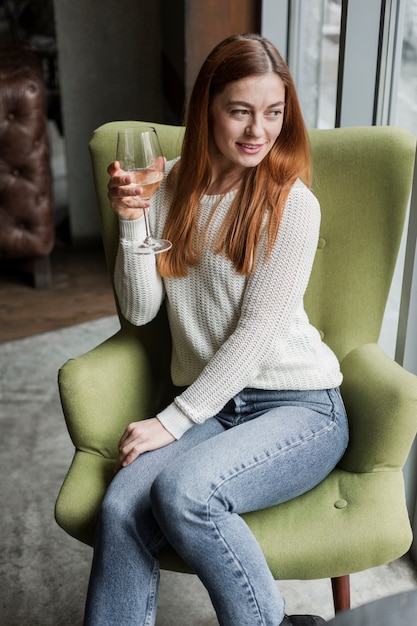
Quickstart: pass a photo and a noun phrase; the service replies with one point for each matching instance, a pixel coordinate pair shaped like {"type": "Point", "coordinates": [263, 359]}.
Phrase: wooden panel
{"type": "Point", "coordinates": [210, 21]}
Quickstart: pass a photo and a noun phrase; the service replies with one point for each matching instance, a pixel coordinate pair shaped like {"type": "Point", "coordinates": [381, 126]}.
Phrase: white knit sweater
{"type": "Point", "coordinates": [230, 331]}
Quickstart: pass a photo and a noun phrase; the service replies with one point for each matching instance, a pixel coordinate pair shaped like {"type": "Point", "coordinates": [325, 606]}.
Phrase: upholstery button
{"type": "Point", "coordinates": [321, 243]}
{"type": "Point", "coordinates": [11, 116]}
{"type": "Point", "coordinates": [340, 504]}
{"type": "Point", "coordinates": [16, 172]}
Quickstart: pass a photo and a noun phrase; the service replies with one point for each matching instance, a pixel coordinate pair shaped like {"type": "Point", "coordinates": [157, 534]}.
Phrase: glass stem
{"type": "Point", "coordinates": [147, 229]}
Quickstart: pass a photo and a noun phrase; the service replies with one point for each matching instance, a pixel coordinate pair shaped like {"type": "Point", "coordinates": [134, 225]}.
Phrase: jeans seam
{"type": "Point", "coordinates": [242, 571]}
{"type": "Point", "coordinates": [152, 595]}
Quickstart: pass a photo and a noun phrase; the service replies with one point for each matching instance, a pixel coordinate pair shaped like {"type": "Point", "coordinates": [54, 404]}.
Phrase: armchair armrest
{"type": "Point", "coordinates": [381, 401]}
{"type": "Point", "coordinates": [101, 392]}
{"type": "Point", "coordinates": [105, 389]}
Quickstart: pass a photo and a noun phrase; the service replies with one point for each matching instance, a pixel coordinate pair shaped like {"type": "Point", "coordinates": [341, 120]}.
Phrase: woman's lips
{"type": "Point", "coordinates": [250, 148]}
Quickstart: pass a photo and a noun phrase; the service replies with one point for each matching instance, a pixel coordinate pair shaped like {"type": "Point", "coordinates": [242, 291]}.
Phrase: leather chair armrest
{"type": "Point", "coordinates": [381, 401]}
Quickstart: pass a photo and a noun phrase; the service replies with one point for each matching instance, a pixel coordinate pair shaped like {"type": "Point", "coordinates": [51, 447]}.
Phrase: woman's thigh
{"type": "Point", "coordinates": [280, 454]}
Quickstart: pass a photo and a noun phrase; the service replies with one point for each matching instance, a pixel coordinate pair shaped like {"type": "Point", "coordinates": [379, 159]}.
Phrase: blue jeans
{"type": "Point", "coordinates": [264, 447]}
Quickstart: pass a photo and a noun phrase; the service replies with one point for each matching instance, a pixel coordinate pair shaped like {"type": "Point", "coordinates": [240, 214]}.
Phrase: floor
{"type": "Point", "coordinates": [81, 291]}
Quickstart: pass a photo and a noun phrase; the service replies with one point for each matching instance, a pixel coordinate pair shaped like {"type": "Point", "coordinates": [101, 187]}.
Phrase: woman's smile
{"type": "Point", "coordinates": [250, 148]}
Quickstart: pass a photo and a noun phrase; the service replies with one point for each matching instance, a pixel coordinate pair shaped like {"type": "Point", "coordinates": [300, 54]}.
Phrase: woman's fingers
{"type": "Point", "coordinates": [125, 197]}
{"type": "Point", "coordinates": [140, 437]}
{"type": "Point", "coordinates": [113, 168]}
{"type": "Point", "coordinates": [122, 181]}
{"type": "Point", "coordinates": [129, 452]}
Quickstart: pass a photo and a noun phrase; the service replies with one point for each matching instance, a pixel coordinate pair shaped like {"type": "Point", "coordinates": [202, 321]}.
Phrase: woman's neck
{"type": "Point", "coordinates": [223, 184]}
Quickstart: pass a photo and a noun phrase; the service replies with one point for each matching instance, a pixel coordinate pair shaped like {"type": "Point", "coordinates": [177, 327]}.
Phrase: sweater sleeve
{"type": "Point", "coordinates": [138, 285]}
{"type": "Point", "coordinates": [273, 293]}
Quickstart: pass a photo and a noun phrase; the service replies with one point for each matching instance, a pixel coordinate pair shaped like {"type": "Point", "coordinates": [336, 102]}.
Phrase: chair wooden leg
{"type": "Point", "coordinates": [341, 593]}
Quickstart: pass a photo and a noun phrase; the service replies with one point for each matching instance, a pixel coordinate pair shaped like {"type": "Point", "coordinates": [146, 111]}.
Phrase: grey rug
{"type": "Point", "coordinates": [44, 572]}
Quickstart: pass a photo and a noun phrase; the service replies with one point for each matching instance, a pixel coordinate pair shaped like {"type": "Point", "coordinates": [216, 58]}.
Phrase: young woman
{"type": "Point", "coordinates": [258, 418]}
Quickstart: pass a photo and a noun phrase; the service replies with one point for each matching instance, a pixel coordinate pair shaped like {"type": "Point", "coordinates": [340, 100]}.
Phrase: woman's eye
{"type": "Point", "coordinates": [274, 113]}
{"type": "Point", "coordinates": [240, 112]}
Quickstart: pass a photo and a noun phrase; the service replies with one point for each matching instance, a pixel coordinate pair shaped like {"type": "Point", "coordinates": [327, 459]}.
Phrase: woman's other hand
{"type": "Point", "coordinates": [140, 437]}
{"type": "Point", "coordinates": [124, 195]}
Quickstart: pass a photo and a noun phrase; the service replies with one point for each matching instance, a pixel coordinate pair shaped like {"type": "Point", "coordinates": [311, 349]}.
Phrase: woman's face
{"type": "Point", "coordinates": [246, 119]}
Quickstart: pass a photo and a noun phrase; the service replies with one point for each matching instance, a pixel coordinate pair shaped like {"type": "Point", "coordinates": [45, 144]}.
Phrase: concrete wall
{"type": "Point", "coordinates": [109, 64]}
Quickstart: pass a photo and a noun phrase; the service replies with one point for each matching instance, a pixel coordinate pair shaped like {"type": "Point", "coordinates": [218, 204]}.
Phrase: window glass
{"type": "Point", "coordinates": [407, 86]}
{"type": "Point", "coordinates": [316, 35]}
{"type": "Point", "coordinates": [405, 115]}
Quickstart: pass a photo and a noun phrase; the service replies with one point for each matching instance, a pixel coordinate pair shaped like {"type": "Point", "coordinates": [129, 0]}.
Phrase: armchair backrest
{"type": "Point", "coordinates": [362, 178]}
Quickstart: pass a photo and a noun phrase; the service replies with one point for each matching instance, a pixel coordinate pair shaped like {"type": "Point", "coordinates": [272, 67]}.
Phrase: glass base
{"type": "Point", "coordinates": [153, 246]}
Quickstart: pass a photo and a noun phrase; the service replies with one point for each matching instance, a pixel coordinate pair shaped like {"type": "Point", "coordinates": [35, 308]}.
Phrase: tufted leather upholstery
{"type": "Point", "coordinates": [26, 210]}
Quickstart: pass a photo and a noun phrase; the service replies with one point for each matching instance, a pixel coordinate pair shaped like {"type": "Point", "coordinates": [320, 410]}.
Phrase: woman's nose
{"type": "Point", "coordinates": [254, 128]}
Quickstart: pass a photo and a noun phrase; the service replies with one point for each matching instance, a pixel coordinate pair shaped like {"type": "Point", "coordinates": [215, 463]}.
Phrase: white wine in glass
{"type": "Point", "coordinates": [139, 154]}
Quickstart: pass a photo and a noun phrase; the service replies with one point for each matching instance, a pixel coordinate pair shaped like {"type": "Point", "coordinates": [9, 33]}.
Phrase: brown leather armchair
{"type": "Point", "coordinates": [26, 208]}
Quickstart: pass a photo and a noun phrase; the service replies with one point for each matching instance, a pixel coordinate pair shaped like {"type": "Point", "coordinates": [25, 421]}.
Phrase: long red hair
{"type": "Point", "coordinates": [264, 188]}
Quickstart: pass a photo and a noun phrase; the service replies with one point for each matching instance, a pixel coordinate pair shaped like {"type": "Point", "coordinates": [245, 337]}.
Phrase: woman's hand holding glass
{"type": "Point", "coordinates": [137, 172]}
{"type": "Point", "coordinates": [125, 198]}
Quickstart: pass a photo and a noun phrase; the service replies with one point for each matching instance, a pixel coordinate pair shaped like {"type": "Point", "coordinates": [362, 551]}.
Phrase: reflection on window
{"type": "Point", "coordinates": [407, 88]}
{"type": "Point", "coordinates": [329, 64]}
{"type": "Point", "coordinates": [318, 27]}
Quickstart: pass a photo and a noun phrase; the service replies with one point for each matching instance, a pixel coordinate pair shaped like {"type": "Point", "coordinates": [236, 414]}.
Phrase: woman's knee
{"type": "Point", "coordinates": [173, 496]}
{"type": "Point", "coordinates": [113, 510]}
{"type": "Point", "coordinates": [165, 492]}
{"type": "Point", "coordinates": [123, 506]}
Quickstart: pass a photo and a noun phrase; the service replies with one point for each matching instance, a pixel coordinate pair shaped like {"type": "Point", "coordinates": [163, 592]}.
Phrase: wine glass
{"type": "Point", "coordinates": [139, 154]}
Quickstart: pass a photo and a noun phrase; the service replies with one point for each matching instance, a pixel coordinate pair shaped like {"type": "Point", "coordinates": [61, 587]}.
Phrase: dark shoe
{"type": "Point", "coordinates": [302, 620]}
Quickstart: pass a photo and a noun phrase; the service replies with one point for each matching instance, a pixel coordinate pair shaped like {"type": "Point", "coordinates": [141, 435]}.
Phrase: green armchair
{"type": "Point", "coordinates": [357, 517]}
